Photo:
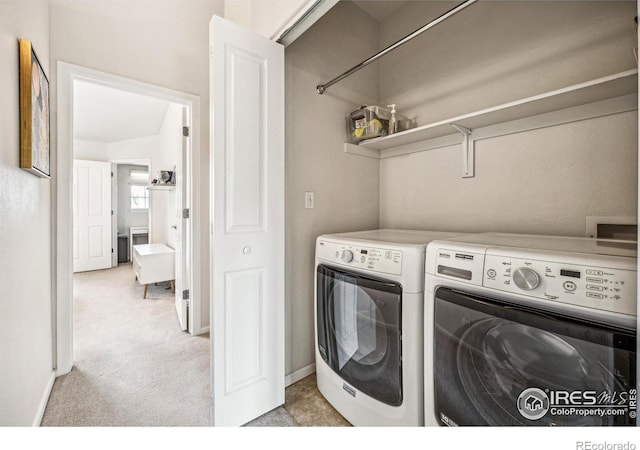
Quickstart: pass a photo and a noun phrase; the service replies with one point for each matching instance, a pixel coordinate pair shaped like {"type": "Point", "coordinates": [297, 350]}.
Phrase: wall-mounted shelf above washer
{"type": "Point", "coordinates": [603, 96]}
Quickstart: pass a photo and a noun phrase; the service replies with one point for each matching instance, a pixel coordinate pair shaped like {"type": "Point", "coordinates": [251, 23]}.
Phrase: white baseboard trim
{"type": "Point", "coordinates": [299, 374]}
{"type": "Point", "coordinates": [44, 400]}
{"type": "Point", "coordinates": [200, 331]}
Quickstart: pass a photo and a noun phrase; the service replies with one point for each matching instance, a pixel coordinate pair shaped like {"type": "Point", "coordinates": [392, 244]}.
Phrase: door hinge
{"type": "Point", "coordinates": [185, 131]}
{"type": "Point", "coordinates": [185, 213]}
{"type": "Point", "coordinates": [111, 250]}
{"type": "Point", "coordinates": [185, 297]}
{"type": "Point", "coordinates": [112, 212]}
{"type": "Point", "coordinates": [111, 174]}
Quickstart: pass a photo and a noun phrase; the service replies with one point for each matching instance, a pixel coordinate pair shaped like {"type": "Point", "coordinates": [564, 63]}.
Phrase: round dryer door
{"type": "Point", "coordinates": [498, 364]}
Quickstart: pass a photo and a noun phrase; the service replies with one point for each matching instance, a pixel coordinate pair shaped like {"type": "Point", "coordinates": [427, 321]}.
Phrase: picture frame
{"type": "Point", "coordinates": [35, 145]}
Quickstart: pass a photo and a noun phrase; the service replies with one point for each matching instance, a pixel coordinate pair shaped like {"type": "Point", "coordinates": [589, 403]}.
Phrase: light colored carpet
{"type": "Point", "coordinates": [133, 365]}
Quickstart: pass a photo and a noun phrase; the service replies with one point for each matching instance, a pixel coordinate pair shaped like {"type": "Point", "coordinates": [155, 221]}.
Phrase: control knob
{"type": "Point", "coordinates": [347, 256]}
{"type": "Point", "coordinates": [526, 279]}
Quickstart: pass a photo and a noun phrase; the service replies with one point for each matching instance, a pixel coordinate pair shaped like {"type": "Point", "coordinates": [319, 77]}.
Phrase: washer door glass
{"type": "Point", "coordinates": [501, 365]}
{"type": "Point", "coordinates": [359, 332]}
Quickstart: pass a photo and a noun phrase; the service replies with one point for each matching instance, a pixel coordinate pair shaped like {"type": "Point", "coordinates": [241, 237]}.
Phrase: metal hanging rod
{"type": "Point", "coordinates": [323, 87]}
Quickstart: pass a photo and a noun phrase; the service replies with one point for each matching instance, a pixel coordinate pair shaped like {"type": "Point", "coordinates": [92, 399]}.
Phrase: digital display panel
{"type": "Point", "coordinates": [570, 273]}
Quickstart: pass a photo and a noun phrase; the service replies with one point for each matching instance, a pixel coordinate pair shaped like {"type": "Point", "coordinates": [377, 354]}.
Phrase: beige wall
{"type": "Point", "coordinates": [345, 186]}
{"type": "Point", "coordinates": [541, 182]}
{"type": "Point", "coordinates": [545, 181]}
{"type": "Point", "coordinates": [494, 52]}
{"type": "Point", "coordinates": [165, 157]}
{"type": "Point", "coordinates": [161, 42]}
{"type": "Point", "coordinates": [26, 350]}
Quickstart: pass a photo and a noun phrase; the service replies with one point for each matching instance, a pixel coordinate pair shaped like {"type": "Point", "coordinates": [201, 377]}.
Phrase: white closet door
{"type": "Point", "coordinates": [247, 277]}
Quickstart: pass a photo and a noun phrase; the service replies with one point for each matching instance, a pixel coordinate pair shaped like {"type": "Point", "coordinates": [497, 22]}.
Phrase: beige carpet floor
{"type": "Point", "coordinates": [134, 367]}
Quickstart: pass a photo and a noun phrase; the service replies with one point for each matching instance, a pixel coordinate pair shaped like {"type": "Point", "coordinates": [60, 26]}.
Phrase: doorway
{"type": "Point", "coordinates": [187, 108]}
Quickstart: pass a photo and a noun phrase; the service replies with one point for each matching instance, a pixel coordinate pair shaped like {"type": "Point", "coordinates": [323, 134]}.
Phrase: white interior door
{"type": "Point", "coordinates": [181, 228]}
{"type": "Point", "coordinates": [91, 215]}
{"type": "Point", "coordinates": [247, 275]}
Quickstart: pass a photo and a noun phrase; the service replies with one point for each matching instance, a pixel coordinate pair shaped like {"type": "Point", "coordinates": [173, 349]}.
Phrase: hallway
{"type": "Point", "coordinates": [133, 365]}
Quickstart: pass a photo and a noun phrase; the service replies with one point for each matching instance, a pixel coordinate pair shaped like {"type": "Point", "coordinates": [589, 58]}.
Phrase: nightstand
{"type": "Point", "coordinates": [153, 263]}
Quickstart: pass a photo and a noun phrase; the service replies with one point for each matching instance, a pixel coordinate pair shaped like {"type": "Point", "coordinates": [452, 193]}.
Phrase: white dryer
{"type": "Point", "coordinates": [530, 331]}
{"type": "Point", "coordinates": [369, 324]}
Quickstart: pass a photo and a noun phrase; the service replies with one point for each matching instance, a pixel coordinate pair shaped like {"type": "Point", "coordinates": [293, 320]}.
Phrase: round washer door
{"type": "Point", "coordinates": [359, 331]}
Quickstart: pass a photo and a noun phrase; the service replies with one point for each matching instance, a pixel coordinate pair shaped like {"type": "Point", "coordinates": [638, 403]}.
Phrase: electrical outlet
{"type": "Point", "coordinates": [309, 200]}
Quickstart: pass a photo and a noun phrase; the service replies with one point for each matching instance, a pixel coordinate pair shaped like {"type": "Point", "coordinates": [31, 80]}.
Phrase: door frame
{"type": "Point", "coordinates": [62, 200]}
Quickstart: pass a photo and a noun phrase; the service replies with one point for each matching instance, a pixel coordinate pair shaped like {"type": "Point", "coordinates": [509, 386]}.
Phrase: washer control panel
{"type": "Point", "coordinates": [611, 289]}
{"type": "Point", "coordinates": [381, 260]}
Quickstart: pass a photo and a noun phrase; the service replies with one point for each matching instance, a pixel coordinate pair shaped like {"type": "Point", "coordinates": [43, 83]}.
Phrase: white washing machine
{"type": "Point", "coordinates": [369, 324]}
{"type": "Point", "coordinates": [530, 331]}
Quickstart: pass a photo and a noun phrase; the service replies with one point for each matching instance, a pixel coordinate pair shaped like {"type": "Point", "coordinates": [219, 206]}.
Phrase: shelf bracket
{"type": "Point", "coordinates": [468, 151]}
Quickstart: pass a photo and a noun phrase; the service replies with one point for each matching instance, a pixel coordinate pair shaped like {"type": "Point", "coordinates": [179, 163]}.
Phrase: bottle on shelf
{"type": "Point", "coordinates": [393, 121]}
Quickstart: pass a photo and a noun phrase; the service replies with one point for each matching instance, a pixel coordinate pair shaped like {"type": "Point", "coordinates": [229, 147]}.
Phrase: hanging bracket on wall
{"type": "Point", "coordinates": [468, 151]}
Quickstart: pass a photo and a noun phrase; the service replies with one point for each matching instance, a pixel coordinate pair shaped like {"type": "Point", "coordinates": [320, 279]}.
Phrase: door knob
{"type": "Point", "coordinates": [246, 250]}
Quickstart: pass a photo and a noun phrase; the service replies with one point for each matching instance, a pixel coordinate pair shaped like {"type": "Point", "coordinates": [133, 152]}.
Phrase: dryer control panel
{"type": "Point", "coordinates": [567, 281]}
{"type": "Point", "coordinates": [388, 261]}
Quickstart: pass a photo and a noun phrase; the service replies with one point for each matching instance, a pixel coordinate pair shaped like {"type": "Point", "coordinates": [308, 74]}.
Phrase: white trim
{"type": "Point", "coordinates": [62, 193]}
{"type": "Point", "coordinates": [302, 20]}
{"type": "Point", "coordinates": [114, 215]}
{"type": "Point", "coordinates": [354, 149]}
{"type": "Point", "coordinates": [299, 374]}
{"type": "Point", "coordinates": [44, 400]}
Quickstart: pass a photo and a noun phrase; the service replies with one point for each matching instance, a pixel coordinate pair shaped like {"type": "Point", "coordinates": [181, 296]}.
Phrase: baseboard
{"type": "Point", "coordinates": [44, 400]}
{"type": "Point", "coordinates": [200, 331]}
{"type": "Point", "coordinates": [299, 374]}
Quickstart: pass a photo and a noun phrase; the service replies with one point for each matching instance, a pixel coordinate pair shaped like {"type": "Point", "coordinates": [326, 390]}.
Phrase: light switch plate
{"type": "Point", "coordinates": [309, 200]}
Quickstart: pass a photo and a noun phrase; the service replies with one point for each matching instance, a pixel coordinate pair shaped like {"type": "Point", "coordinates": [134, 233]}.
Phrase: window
{"type": "Point", "coordinates": [139, 182]}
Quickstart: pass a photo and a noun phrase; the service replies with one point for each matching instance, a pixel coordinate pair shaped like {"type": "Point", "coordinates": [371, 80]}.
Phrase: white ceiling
{"type": "Point", "coordinates": [104, 114]}
{"type": "Point", "coordinates": [380, 9]}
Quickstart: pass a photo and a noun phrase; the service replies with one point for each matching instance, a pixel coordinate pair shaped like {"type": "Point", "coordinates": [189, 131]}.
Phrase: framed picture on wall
{"type": "Point", "coordinates": [35, 150]}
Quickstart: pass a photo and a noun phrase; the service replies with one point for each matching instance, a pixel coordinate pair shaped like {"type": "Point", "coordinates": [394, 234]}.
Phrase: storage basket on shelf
{"type": "Point", "coordinates": [369, 122]}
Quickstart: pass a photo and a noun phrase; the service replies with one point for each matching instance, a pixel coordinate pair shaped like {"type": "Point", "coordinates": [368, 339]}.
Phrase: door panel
{"type": "Point", "coordinates": [91, 215]}
{"type": "Point", "coordinates": [245, 340]}
{"type": "Point", "coordinates": [247, 277]}
{"type": "Point", "coordinates": [245, 156]}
